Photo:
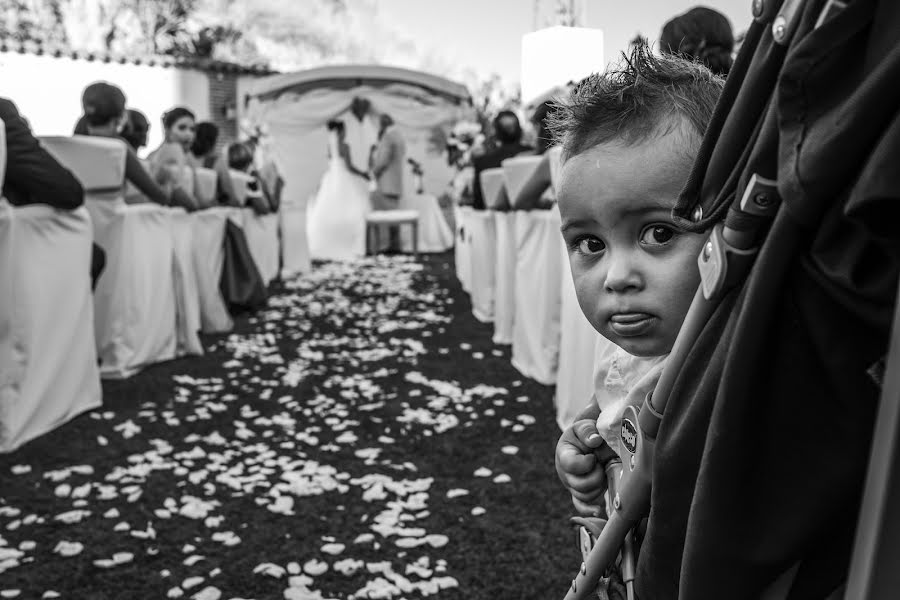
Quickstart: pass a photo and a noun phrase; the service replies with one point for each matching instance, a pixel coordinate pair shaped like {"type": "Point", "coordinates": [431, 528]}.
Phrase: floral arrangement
{"type": "Point", "coordinates": [463, 138]}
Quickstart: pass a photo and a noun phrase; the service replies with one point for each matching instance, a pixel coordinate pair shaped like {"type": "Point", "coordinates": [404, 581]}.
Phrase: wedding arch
{"type": "Point", "coordinates": [293, 108]}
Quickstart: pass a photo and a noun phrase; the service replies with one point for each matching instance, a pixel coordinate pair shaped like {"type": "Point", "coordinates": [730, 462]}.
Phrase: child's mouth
{"type": "Point", "coordinates": [631, 324]}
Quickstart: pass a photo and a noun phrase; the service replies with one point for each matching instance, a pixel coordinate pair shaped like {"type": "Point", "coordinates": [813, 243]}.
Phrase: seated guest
{"type": "Point", "coordinates": [508, 132]}
{"type": "Point", "coordinates": [104, 116]}
{"type": "Point", "coordinates": [136, 129]}
{"type": "Point", "coordinates": [702, 34]}
{"type": "Point", "coordinates": [240, 158]}
{"type": "Point", "coordinates": [203, 154]}
{"type": "Point", "coordinates": [33, 176]}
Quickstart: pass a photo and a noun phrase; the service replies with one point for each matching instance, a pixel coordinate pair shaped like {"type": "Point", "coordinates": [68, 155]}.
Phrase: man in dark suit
{"type": "Point", "coordinates": [508, 132]}
{"type": "Point", "coordinates": [33, 176]}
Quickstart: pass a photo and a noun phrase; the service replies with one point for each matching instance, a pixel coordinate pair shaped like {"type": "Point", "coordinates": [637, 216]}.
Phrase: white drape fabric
{"type": "Point", "coordinates": [435, 234]}
{"type": "Point", "coordinates": [527, 178]}
{"type": "Point", "coordinates": [134, 302]}
{"type": "Point", "coordinates": [295, 256]}
{"type": "Point", "coordinates": [209, 257]}
{"type": "Point", "coordinates": [577, 340]}
{"type": "Point", "coordinates": [461, 250]}
{"type": "Point", "coordinates": [48, 365]}
{"type": "Point", "coordinates": [493, 189]}
{"type": "Point", "coordinates": [536, 330]}
{"type": "Point", "coordinates": [483, 243]}
{"type": "Point", "coordinates": [505, 277]}
{"type": "Point", "coordinates": [261, 232]}
{"type": "Point", "coordinates": [186, 286]}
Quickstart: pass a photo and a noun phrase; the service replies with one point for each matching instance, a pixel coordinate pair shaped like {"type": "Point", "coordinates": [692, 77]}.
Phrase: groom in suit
{"type": "Point", "coordinates": [386, 163]}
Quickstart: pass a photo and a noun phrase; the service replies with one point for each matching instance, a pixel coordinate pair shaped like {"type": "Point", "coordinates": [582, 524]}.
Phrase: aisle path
{"type": "Point", "coordinates": [362, 437]}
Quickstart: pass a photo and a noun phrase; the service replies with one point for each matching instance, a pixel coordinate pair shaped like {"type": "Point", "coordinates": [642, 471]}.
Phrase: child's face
{"type": "Point", "coordinates": [635, 273]}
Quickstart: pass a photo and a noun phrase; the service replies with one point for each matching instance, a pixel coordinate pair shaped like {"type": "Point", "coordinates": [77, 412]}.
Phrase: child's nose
{"type": "Point", "coordinates": [622, 274]}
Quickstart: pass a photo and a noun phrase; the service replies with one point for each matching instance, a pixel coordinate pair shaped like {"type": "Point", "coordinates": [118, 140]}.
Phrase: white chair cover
{"type": "Point", "coordinates": [209, 256]}
{"type": "Point", "coordinates": [295, 259]}
{"type": "Point", "coordinates": [134, 302]}
{"type": "Point", "coordinates": [493, 189]}
{"type": "Point", "coordinates": [434, 233]}
{"type": "Point", "coordinates": [527, 177]}
{"type": "Point", "coordinates": [187, 292]}
{"type": "Point", "coordinates": [205, 181]}
{"type": "Point", "coordinates": [483, 248]}
{"type": "Point", "coordinates": [48, 360]}
{"type": "Point", "coordinates": [536, 330]}
{"type": "Point", "coordinates": [461, 251]}
{"type": "Point", "coordinates": [505, 277]}
{"type": "Point", "coordinates": [261, 232]}
{"type": "Point", "coordinates": [577, 340]}
{"type": "Point", "coordinates": [240, 180]}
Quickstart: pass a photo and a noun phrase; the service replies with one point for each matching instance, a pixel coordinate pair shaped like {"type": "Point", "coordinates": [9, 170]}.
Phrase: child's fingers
{"type": "Point", "coordinates": [587, 509]}
{"type": "Point", "coordinates": [586, 432]}
{"type": "Point", "coordinates": [593, 483]}
{"type": "Point", "coordinates": [571, 460]}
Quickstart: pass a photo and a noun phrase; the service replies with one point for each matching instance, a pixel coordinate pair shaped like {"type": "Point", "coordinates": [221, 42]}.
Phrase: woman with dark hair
{"type": "Point", "coordinates": [136, 129]}
{"type": "Point", "coordinates": [203, 155]}
{"type": "Point", "coordinates": [703, 34]}
{"type": "Point", "coordinates": [336, 223]}
{"type": "Point", "coordinates": [169, 162]}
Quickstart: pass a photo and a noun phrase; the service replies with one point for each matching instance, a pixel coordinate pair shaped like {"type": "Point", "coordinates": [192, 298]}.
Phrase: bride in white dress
{"type": "Point", "coordinates": [336, 224]}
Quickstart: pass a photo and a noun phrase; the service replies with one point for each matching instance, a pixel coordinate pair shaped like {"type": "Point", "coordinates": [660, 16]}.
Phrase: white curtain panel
{"type": "Point", "coordinates": [48, 360]}
{"type": "Point", "coordinates": [261, 232]}
{"type": "Point", "coordinates": [536, 330]}
{"type": "Point", "coordinates": [208, 228]}
{"type": "Point", "coordinates": [575, 376]}
{"type": "Point", "coordinates": [461, 250]}
{"type": "Point", "coordinates": [505, 280]}
{"type": "Point", "coordinates": [435, 234]}
{"type": "Point", "coordinates": [483, 249]}
{"type": "Point", "coordinates": [295, 259]}
{"type": "Point", "coordinates": [187, 292]}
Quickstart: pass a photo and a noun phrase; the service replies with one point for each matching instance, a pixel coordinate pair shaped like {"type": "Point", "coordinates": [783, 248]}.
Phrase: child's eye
{"type": "Point", "coordinates": [657, 235]}
{"type": "Point", "coordinates": [589, 245]}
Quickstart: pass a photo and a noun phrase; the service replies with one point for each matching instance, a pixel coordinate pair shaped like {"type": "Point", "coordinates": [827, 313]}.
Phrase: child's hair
{"type": "Point", "coordinates": [239, 156]}
{"type": "Point", "coordinates": [643, 97]}
{"type": "Point", "coordinates": [205, 137]}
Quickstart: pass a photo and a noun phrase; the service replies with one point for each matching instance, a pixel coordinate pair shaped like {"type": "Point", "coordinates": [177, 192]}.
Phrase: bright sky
{"type": "Point", "coordinates": [486, 35]}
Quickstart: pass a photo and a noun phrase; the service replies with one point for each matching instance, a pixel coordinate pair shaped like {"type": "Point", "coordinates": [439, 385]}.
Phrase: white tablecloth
{"type": "Point", "coordinates": [435, 234]}
{"type": "Point", "coordinates": [505, 277]}
{"type": "Point", "coordinates": [295, 259]}
{"type": "Point", "coordinates": [48, 361]}
{"type": "Point", "coordinates": [536, 330]}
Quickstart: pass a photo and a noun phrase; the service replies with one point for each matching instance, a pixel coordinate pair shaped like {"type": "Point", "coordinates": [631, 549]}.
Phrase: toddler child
{"type": "Point", "coordinates": [629, 138]}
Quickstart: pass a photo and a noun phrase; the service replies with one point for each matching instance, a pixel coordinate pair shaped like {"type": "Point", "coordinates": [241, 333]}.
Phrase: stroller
{"type": "Point", "coordinates": [752, 482]}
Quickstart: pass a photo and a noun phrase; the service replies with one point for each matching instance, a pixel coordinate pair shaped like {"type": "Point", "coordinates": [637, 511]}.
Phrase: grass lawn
{"type": "Point", "coordinates": [361, 437]}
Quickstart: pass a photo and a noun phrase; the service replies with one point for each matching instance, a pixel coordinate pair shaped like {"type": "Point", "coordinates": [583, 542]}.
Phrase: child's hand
{"type": "Point", "coordinates": [580, 454]}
